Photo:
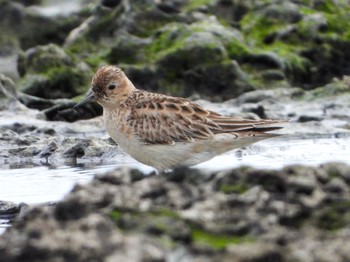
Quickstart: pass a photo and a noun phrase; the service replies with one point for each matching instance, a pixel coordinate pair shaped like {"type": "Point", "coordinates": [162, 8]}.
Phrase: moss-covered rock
{"type": "Point", "coordinates": [187, 59]}
{"type": "Point", "coordinates": [8, 45]}
{"type": "Point", "coordinates": [128, 49]}
{"type": "Point", "coordinates": [216, 48]}
{"type": "Point", "coordinates": [41, 59]}
{"type": "Point", "coordinates": [217, 81]}
{"type": "Point", "coordinates": [333, 89]}
{"type": "Point", "coordinates": [32, 28]}
{"type": "Point", "coordinates": [272, 43]}
{"type": "Point", "coordinates": [313, 46]}
{"type": "Point", "coordinates": [334, 216]}
{"type": "Point", "coordinates": [8, 94]}
{"type": "Point", "coordinates": [50, 73]}
{"type": "Point", "coordinates": [177, 51]}
{"type": "Point", "coordinates": [234, 215]}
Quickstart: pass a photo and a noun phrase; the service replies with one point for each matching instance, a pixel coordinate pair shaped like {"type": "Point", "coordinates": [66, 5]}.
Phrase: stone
{"type": "Point", "coordinates": [50, 73]}
{"type": "Point", "coordinates": [8, 95]}
{"type": "Point", "coordinates": [26, 28]}
{"type": "Point", "coordinates": [279, 214]}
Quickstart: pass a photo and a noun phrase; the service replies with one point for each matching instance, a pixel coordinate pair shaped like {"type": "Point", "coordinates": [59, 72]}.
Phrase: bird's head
{"type": "Point", "coordinates": [109, 87]}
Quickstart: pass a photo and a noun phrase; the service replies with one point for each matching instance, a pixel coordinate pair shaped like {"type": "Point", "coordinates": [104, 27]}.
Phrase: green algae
{"type": "Point", "coordinates": [84, 50]}
{"type": "Point", "coordinates": [167, 224]}
{"type": "Point", "coordinates": [153, 215]}
{"type": "Point", "coordinates": [195, 4]}
{"type": "Point", "coordinates": [217, 241]}
{"type": "Point", "coordinates": [167, 213]}
{"type": "Point", "coordinates": [238, 188]}
{"type": "Point", "coordinates": [66, 78]}
{"type": "Point", "coordinates": [173, 49]}
{"type": "Point", "coordinates": [335, 216]}
{"type": "Point", "coordinates": [236, 49]}
{"type": "Point", "coordinates": [116, 215]}
{"type": "Point", "coordinates": [56, 82]}
{"type": "Point", "coordinates": [261, 33]}
{"type": "Point", "coordinates": [336, 88]}
{"type": "Point", "coordinates": [208, 36]}
{"type": "Point", "coordinates": [168, 40]}
{"type": "Point", "coordinates": [256, 31]}
{"type": "Point", "coordinates": [257, 27]}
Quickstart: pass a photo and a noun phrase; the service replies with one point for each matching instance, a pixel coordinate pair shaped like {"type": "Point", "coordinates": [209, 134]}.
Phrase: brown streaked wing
{"type": "Point", "coordinates": [159, 119]}
{"type": "Point", "coordinates": [229, 124]}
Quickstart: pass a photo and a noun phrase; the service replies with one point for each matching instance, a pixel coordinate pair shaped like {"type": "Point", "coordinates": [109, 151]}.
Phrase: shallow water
{"type": "Point", "coordinates": [280, 152]}
{"type": "Point", "coordinates": [44, 184]}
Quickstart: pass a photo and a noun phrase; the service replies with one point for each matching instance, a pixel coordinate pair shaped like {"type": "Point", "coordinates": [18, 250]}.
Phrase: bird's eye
{"type": "Point", "coordinates": [111, 87]}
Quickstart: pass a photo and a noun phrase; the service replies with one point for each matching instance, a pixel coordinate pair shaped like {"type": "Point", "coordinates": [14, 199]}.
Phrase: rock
{"type": "Point", "coordinates": [266, 95]}
{"type": "Point", "coordinates": [307, 118]}
{"type": "Point", "coordinates": [35, 102]}
{"type": "Point", "coordinates": [254, 252]}
{"type": "Point", "coordinates": [271, 45]}
{"type": "Point", "coordinates": [231, 11]}
{"type": "Point", "coordinates": [273, 75]}
{"type": "Point", "coordinates": [26, 26]}
{"type": "Point", "coordinates": [226, 79]}
{"type": "Point", "coordinates": [265, 60]}
{"type": "Point", "coordinates": [128, 49]}
{"type": "Point", "coordinates": [30, 2]}
{"type": "Point", "coordinates": [276, 214]}
{"type": "Point", "coordinates": [9, 46]}
{"type": "Point", "coordinates": [284, 11]}
{"type": "Point", "coordinates": [51, 73]}
{"type": "Point", "coordinates": [110, 3]}
{"type": "Point", "coordinates": [338, 170]}
{"type": "Point", "coordinates": [8, 210]}
{"type": "Point", "coordinates": [218, 49]}
{"type": "Point", "coordinates": [8, 95]}
{"type": "Point", "coordinates": [180, 54]}
{"type": "Point", "coordinates": [196, 57]}
{"type": "Point", "coordinates": [41, 58]}
{"type": "Point", "coordinates": [298, 37]}
{"type": "Point", "coordinates": [336, 185]}
{"type": "Point", "coordinates": [77, 150]}
{"type": "Point", "coordinates": [63, 111]}
{"type": "Point", "coordinates": [184, 45]}
{"type": "Point", "coordinates": [49, 150]}
{"type": "Point", "coordinates": [188, 59]}
{"type": "Point", "coordinates": [8, 92]}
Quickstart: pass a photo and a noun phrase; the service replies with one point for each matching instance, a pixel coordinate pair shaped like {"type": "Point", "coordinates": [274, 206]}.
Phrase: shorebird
{"type": "Point", "coordinates": [165, 131]}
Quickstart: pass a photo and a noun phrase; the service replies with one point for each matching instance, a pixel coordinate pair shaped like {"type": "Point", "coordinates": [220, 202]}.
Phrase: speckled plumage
{"type": "Point", "coordinates": [164, 131]}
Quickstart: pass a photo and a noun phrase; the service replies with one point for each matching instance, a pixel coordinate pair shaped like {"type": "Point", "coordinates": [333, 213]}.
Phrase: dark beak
{"type": "Point", "coordinates": [89, 97]}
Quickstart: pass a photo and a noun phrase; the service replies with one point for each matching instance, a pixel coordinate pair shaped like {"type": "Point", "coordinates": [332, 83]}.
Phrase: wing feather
{"type": "Point", "coordinates": [160, 119]}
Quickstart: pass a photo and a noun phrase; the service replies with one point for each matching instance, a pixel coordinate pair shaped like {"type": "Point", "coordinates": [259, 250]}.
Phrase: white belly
{"type": "Point", "coordinates": [166, 156]}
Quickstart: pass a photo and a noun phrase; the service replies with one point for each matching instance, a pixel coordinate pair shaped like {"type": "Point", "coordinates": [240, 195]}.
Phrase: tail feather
{"type": "Point", "coordinates": [251, 126]}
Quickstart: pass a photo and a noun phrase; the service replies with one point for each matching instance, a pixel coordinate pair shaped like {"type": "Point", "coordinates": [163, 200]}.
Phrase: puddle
{"type": "Point", "coordinates": [44, 184]}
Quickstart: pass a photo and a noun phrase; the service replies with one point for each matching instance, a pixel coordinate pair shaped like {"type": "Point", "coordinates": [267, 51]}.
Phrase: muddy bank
{"type": "Point", "coordinates": [294, 214]}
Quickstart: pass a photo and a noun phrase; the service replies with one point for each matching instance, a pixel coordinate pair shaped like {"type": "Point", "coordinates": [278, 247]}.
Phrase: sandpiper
{"type": "Point", "coordinates": [164, 131]}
